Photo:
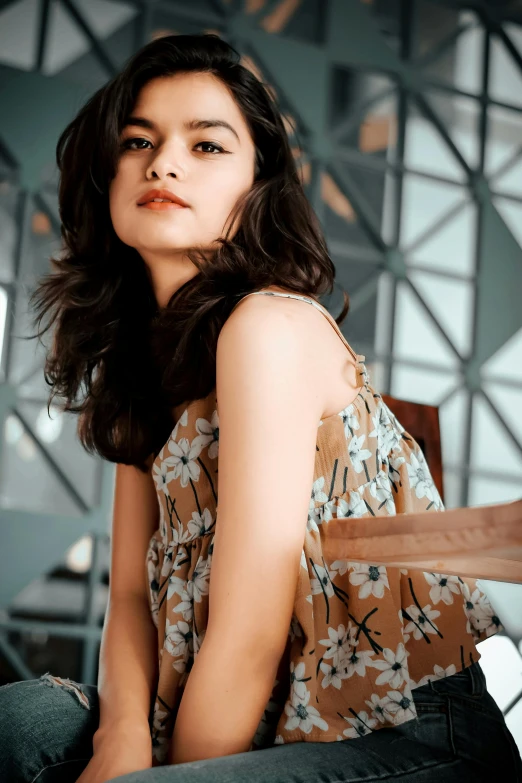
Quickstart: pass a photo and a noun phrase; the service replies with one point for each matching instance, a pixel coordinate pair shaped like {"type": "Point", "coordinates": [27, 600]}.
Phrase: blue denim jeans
{"type": "Point", "coordinates": [47, 725]}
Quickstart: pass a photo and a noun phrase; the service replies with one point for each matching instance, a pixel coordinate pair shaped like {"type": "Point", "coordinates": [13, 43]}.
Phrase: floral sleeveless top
{"type": "Point", "coordinates": [362, 637]}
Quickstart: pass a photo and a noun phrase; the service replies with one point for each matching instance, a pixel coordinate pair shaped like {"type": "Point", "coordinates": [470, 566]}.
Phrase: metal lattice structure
{"type": "Point", "coordinates": [407, 142]}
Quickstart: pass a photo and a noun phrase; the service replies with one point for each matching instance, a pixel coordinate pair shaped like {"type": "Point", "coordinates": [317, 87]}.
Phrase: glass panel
{"type": "Point", "coordinates": [460, 116]}
{"type": "Point", "coordinates": [508, 401]}
{"type": "Point", "coordinates": [27, 482]}
{"type": "Point", "coordinates": [468, 55]}
{"type": "Point", "coordinates": [501, 664]}
{"type": "Point", "coordinates": [484, 490]}
{"type": "Point", "coordinates": [510, 181]}
{"type": "Point", "coordinates": [26, 355]}
{"type": "Point", "coordinates": [452, 418]}
{"type": "Point", "coordinates": [369, 184]}
{"type": "Point", "coordinates": [507, 600]}
{"type": "Point", "coordinates": [454, 61]}
{"type": "Point", "coordinates": [451, 248]}
{"type": "Point", "coordinates": [506, 362]}
{"type": "Point", "coordinates": [505, 79]}
{"type": "Point", "coordinates": [452, 489]}
{"type": "Point", "coordinates": [9, 230]}
{"type": "Point", "coordinates": [451, 302]}
{"type": "Point", "coordinates": [66, 42]}
{"type": "Point", "coordinates": [340, 219]}
{"type": "Point", "coordinates": [59, 436]}
{"type": "Point", "coordinates": [427, 387]}
{"type": "Point", "coordinates": [503, 139]}
{"type": "Point", "coordinates": [363, 111]}
{"type": "Point", "coordinates": [3, 318]}
{"type": "Point", "coordinates": [511, 213]}
{"type": "Point", "coordinates": [19, 34]}
{"type": "Point", "coordinates": [424, 202]}
{"type": "Point", "coordinates": [490, 447]}
{"type": "Point", "coordinates": [415, 336]}
{"type": "Point", "coordinates": [426, 150]}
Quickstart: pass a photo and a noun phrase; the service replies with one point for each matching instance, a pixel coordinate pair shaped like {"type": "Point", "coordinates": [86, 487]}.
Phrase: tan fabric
{"type": "Point", "coordinates": [483, 542]}
{"type": "Point", "coordinates": [362, 636]}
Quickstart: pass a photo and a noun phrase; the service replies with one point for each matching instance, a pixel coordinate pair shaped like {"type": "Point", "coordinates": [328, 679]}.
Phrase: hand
{"type": "Point", "coordinates": [117, 751]}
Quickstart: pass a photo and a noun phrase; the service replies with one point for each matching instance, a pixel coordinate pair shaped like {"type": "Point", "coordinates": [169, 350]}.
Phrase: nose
{"type": "Point", "coordinates": [167, 163]}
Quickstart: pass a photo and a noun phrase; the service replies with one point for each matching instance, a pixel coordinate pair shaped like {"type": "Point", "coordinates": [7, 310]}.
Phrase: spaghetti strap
{"type": "Point", "coordinates": [358, 357]}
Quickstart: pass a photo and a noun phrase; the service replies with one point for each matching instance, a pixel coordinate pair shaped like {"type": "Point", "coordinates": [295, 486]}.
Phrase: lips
{"type": "Point", "coordinates": [150, 195]}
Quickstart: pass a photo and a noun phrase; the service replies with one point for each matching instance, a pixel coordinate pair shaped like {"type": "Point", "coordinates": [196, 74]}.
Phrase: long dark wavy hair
{"type": "Point", "coordinates": [118, 360]}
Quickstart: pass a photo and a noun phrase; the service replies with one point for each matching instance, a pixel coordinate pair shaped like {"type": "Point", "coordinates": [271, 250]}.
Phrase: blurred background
{"type": "Point", "coordinates": [408, 119]}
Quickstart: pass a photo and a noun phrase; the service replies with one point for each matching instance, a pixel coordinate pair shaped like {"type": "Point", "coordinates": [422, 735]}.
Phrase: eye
{"type": "Point", "coordinates": [210, 144]}
{"type": "Point", "coordinates": [127, 144]}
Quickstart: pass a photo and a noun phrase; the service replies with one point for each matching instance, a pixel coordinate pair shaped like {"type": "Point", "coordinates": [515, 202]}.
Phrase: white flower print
{"type": "Point", "coordinates": [301, 715]}
{"type": "Point", "coordinates": [208, 434]}
{"type": "Point", "coordinates": [394, 667]}
{"type": "Point", "coordinates": [489, 621]}
{"type": "Point", "coordinates": [357, 453]}
{"type": "Point", "coordinates": [162, 475]}
{"type": "Point", "coordinates": [170, 565]}
{"type": "Point", "coordinates": [333, 675]}
{"type": "Point", "coordinates": [327, 511]}
{"type": "Point", "coordinates": [378, 706]}
{"type": "Point", "coordinates": [357, 662]}
{"type": "Point", "coordinates": [438, 673]}
{"type": "Point", "coordinates": [152, 571]}
{"type": "Point", "coordinates": [361, 725]}
{"type": "Point", "coordinates": [388, 437]}
{"type": "Point", "coordinates": [322, 583]}
{"type": "Point", "coordinates": [176, 586]}
{"type": "Point", "coordinates": [420, 477]}
{"type": "Point", "coordinates": [372, 579]}
{"type": "Point", "coordinates": [394, 464]}
{"type": "Point", "coordinates": [355, 507]}
{"type": "Point", "coordinates": [183, 459]}
{"type": "Point", "coordinates": [442, 587]}
{"type": "Point", "coordinates": [339, 643]}
{"type": "Point", "coordinates": [200, 524]}
{"type": "Point", "coordinates": [178, 536]}
{"type": "Point", "coordinates": [159, 743]}
{"type": "Point", "coordinates": [314, 520]}
{"type": "Point", "coordinates": [200, 579]}
{"type": "Point", "coordinates": [350, 420]}
{"type": "Point", "coordinates": [472, 609]}
{"type": "Point", "coordinates": [178, 639]}
{"type": "Point", "coordinates": [401, 706]}
{"type": "Point", "coordinates": [297, 675]}
{"type": "Point", "coordinates": [186, 605]}
{"type": "Point", "coordinates": [421, 621]}
{"type": "Point", "coordinates": [318, 496]}
{"type": "Point", "coordinates": [341, 566]}
{"type": "Point", "coordinates": [279, 740]}
{"type": "Point", "coordinates": [380, 489]}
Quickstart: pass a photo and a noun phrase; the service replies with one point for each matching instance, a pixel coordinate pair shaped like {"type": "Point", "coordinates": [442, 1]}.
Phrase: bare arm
{"type": "Point", "coordinates": [128, 654]}
{"type": "Point", "coordinates": [270, 404]}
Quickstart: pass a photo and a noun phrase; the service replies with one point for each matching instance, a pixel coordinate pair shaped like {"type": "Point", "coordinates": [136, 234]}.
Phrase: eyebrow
{"type": "Point", "coordinates": [142, 122]}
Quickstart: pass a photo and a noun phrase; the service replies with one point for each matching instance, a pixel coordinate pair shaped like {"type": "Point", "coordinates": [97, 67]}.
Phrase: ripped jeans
{"type": "Point", "coordinates": [459, 735]}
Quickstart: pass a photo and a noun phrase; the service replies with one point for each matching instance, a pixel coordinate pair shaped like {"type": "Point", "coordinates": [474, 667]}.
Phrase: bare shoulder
{"type": "Point", "coordinates": [299, 329]}
{"type": "Point", "coordinates": [271, 312]}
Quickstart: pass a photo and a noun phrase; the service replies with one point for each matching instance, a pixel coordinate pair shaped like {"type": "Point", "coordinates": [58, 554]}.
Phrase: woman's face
{"type": "Point", "coordinates": [165, 145]}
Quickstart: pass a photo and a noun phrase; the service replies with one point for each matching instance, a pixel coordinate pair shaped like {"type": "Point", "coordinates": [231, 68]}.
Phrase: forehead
{"type": "Point", "coordinates": [171, 100]}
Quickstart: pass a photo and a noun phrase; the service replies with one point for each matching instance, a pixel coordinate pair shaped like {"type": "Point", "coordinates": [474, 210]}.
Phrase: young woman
{"type": "Point", "coordinates": [186, 313]}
